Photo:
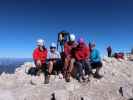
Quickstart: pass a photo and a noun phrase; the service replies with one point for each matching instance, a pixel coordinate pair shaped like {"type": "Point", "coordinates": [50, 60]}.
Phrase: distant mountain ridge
{"type": "Point", "coordinates": [9, 65]}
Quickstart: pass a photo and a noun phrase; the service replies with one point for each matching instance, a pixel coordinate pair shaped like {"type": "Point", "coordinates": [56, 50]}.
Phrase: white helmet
{"type": "Point", "coordinates": [53, 45]}
{"type": "Point", "coordinates": [40, 42]}
{"type": "Point", "coordinates": [72, 37]}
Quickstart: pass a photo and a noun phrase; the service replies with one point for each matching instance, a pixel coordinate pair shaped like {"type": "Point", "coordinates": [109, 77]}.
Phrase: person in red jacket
{"type": "Point", "coordinates": [69, 57]}
{"type": "Point", "coordinates": [82, 55]}
{"type": "Point", "coordinates": [39, 57]}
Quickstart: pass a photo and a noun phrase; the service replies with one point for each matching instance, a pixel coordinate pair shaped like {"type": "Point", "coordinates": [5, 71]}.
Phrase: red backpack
{"type": "Point", "coordinates": [119, 55]}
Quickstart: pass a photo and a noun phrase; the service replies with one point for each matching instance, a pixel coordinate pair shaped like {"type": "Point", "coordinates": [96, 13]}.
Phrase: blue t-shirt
{"type": "Point", "coordinates": [95, 56]}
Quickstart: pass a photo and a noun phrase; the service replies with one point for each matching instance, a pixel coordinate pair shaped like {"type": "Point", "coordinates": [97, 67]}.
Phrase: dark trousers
{"type": "Point", "coordinates": [109, 54]}
{"type": "Point", "coordinates": [83, 65]}
{"type": "Point", "coordinates": [34, 71]}
{"type": "Point", "coordinates": [96, 65]}
{"type": "Point", "coordinates": [58, 66]}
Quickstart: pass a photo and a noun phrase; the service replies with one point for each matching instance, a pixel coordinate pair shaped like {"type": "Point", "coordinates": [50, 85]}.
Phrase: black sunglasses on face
{"type": "Point", "coordinates": [52, 47]}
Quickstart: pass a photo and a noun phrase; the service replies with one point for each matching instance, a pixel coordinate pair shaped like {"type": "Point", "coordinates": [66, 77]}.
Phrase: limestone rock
{"type": "Point", "coordinates": [117, 74]}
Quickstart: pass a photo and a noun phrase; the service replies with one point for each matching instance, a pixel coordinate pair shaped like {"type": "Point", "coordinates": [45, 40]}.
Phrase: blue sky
{"type": "Point", "coordinates": [22, 22]}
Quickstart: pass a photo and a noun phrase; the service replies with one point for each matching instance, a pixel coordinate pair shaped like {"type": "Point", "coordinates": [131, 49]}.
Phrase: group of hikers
{"type": "Point", "coordinates": [78, 59]}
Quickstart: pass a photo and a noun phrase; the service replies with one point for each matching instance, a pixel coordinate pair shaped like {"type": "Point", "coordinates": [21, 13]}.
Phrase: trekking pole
{"type": "Point", "coordinates": [57, 45]}
{"type": "Point", "coordinates": [121, 91]}
{"type": "Point", "coordinates": [82, 98]}
{"type": "Point", "coordinates": [53, 96]}
{"type": "Point", "coordinates": [58, 41]}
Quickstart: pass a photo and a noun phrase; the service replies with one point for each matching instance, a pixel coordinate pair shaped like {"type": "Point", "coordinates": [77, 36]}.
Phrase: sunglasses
{"type": "Point", "coordinates": [52, 47]}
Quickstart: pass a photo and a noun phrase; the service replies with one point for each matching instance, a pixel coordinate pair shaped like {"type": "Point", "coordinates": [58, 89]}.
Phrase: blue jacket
{"type": "Point", "coordinates": [95, 56]}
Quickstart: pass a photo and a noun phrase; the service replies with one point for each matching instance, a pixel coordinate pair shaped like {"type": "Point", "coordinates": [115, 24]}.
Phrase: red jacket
{"type": "Point", "coordinates": [82, 52]}
{"type": "Point", "coordinates": [69, 49]}
{"type": "Point", "coordinates": [40, 55]}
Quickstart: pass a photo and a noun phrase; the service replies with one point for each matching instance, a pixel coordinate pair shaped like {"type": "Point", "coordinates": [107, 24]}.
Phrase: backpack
{"type": "Point", "coordinates": [63, 37]}
{"type": "Point", "coordinates": [119, 55]}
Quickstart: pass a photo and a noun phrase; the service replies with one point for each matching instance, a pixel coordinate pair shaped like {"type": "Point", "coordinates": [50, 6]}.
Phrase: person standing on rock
{"type": "Point", "coordinates": [54, 60]}
{"type": "Point", "coordinates": [96, 62]}
{"type": "Point", "coordinates": [39, 57]}
{"type": "Point", "coordinates": [69, 57]}
{"type": "Point", "coordinates": [109, 51]}
{"type": "Point", "coordinates": [82, 54]}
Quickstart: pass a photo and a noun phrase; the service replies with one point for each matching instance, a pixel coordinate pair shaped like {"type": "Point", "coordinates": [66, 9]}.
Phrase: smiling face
{"type": "Point", "coordinates": [52, 49]}
{"type": "Point", "coordinates": [41, 47]}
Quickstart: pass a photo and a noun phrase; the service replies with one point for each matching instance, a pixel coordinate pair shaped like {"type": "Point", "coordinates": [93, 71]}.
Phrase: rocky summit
{"type": "Point", "coordinates": [116, 84]}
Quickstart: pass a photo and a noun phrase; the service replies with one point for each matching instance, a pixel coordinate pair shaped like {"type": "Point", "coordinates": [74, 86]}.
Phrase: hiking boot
{"type": "Point", "coordinates": [88, 80]}
{"type": "Point", "coordinates": [80, 79]}
{"type": "Point", "coordinates": [38, 72]}
{"type": "Point", "coordinates": [67, 77]}
{"type": "Point", "coordinates": [55, 73]}
{"type": "Point", "coordinates": [60, 76]}
{"type": "Point", "coordinates": [83, 78]}
{"type": "Point", "coordinates": [47, 79]}
{"type": "Point", "coordinates": [98, 76]}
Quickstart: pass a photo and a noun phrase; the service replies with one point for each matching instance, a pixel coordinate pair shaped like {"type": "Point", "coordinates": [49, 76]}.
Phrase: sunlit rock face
{"type": "Point", "coordinates": [117, 84]}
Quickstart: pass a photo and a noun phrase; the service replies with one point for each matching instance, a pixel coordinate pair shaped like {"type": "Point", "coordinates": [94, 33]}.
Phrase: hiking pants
{"type": "Point", "coordinates": [83, 65]}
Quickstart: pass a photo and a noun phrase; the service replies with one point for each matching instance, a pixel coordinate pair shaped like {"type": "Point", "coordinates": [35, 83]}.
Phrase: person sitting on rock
{"type": "Point", "coordinates": [82, 54]}
{"type": "Point", "coordinates": [69, 57]}
{"type": "Point", "coordinates": [54, 60]}
{"type": "Point", "coordinates": [96, 62]}
{"type": "Point", "coordinates": [39, 57]}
